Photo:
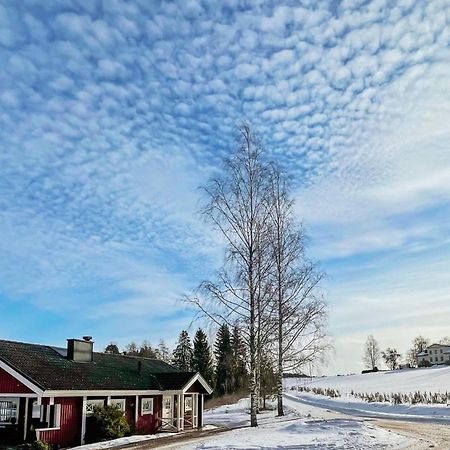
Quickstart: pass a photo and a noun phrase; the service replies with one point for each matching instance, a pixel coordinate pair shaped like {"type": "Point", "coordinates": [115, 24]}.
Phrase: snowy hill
{"type": "Point", "coordinates": [434, 379]}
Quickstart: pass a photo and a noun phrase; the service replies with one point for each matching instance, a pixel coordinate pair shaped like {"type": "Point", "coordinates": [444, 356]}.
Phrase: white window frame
{"type": "Point", "coordinates": [120, 402]}
{"type": "Point", "coordinates": [188, 403]}
{"type": "Point", "coordinates": [147, 411]}
{"type": "Point", "coordinates": [14, 411]}
{"type": "Point", "coordinates": [91, 403]}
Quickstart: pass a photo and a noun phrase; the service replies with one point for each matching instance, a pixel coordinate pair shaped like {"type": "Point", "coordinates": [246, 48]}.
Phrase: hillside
{"type": "Point", "coordinates": [434, 379]}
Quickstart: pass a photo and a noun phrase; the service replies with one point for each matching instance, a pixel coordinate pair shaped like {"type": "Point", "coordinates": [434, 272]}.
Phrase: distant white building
{"type": "Point", "coordinates": [435, 354]}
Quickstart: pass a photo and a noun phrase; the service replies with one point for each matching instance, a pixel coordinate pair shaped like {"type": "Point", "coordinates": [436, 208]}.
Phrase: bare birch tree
{"type": "Point", "coordinates": [238, 207]}
{"type": "Point", "coordinates": [372, 353]}
{"type": "Point", "coordinates": [299, 308]}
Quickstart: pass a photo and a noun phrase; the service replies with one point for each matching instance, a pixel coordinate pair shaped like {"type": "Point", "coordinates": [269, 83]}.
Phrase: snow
{"type": "Point", "coordinates": [359, 408]}
{"type": "Point", "coordinates": [295, 430]}
{"type": "Point", "coordinates": [122, 441]}
{"type": "Point", "coordinates": [433, 379]}
{"type": "Point", "coordinates": [303, 427]}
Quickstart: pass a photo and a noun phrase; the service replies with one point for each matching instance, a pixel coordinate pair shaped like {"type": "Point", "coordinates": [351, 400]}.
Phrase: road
{"type": "Point", "coordinates": [427, 434]}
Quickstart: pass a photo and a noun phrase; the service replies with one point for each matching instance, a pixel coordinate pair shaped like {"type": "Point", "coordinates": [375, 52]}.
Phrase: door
{"type": "Point", "coordinates": [167, 411]}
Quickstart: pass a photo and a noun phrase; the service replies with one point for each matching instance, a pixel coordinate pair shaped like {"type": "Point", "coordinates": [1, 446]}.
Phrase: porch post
{"type": "Point", "coordinates": [195, 410]}
{"type": "Point", "coordinates": [179, 413]}
{"type": "Point", "coordinates": [83, 420]}
{"type": "Point", "coordinates": [201, 410]}
{"type": "Point", "coordinates": [25, 422]}
{"type": "Point", "coordinates": [182, 410]}
{"type": "Point", "coordinates": [136, 411]}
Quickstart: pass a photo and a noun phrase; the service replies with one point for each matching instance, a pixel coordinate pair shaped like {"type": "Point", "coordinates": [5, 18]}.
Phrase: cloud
{"type": "Point", "coordinates": [111, 118]}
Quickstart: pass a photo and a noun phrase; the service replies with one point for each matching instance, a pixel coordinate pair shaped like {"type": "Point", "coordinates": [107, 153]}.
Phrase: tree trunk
{"type": "Point", "coordinates": [280, 356]}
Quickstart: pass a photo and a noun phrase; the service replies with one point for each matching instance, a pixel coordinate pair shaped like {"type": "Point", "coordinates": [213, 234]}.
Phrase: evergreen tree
{"type": "Point", "coordinates": [201, 360]}
{"type": "Point", "coordinates": [240, 374]}
{"type": "Point", "coordinates": [268, 379]}
{"type": "Point", "coordinates": [112, 349]}
{"type": "Point", "coordinates": [182, 355]}
{"type": "Point", "coordinates": [224, 359]}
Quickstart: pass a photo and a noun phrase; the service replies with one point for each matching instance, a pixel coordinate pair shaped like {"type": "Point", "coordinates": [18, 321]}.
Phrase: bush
{"type": "Point", "coordinates": [424, 363]}
{"type": "Point", "coordinates": [40, 445]}
{"type": "Point", "coordinates": [107, 422]}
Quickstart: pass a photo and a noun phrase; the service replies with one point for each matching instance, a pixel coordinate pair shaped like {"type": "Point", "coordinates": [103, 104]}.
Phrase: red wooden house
{"type": "Point", "coordinates": [48, 393]}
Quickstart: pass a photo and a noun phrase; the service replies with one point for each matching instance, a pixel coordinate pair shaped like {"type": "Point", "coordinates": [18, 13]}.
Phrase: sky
{"type": "Point", "coordinates": [113, 113]}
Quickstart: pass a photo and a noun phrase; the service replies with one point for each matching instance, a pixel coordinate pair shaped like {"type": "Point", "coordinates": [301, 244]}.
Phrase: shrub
{"type": "Point", "coordinates": [40, 445]}
{"type": "Point", "coordinates": [424, 363]}
{"type": "Point", "coordinates": [106, 423]}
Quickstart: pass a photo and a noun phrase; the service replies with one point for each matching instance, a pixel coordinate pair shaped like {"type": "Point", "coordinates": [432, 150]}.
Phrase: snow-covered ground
{"type": "Point", "coordinates": [297, 430]}
{"type": "Point", "coordinates": [433, 379]}
{"type": "Point", "coordinates": [359, 408]}
{"type": "Point", "coordinates": [122, 441]}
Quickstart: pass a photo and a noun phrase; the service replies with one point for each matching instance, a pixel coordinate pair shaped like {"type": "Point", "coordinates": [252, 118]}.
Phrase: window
{"type": "Point", "coordinates": [435, 351]}
{"type": "Point", "coordinates": [146, 406]}
{"type": "Point", "coordinates": [441, 350]}
{"type": "Point", "coordinates": [119, 403]}
{"type": "Point", "coordinates": [49, 415]}
{"type": "Point", "coordinates": [442, 358]}
{"type": "Point", "coordinates": [91, 403]}
{"type": "Point", "coordinates": [8, 410]}
{"type": "Point", "coordinates": [188, 403]}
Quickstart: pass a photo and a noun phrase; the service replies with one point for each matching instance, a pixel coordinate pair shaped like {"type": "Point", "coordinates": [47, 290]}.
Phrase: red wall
{"type": "Point", "coordinates": [70, 429]}
{"type": "Point", "coordinates": [9, 385]}
{"type": "Point", "coordinates": [150, 423]}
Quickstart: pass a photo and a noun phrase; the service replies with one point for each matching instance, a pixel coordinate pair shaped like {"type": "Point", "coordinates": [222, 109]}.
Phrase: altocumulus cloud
{"type": "Point", "coordinates": [112, 113]}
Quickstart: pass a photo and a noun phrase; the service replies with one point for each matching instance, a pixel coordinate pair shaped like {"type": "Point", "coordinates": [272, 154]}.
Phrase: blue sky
{"type": "Point", "coordinates": [112, 113]}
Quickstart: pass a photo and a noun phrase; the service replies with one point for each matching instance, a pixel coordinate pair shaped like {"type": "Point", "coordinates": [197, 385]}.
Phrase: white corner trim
{"type": "Point", "coordinates": [7, 368]}
{"type": "Point", "coordinates": [198, 377]}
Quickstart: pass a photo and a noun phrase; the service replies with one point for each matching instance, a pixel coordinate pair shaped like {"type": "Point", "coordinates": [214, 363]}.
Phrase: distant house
{"type": "Point", "coordinates": [49, 392]}
{"type": "Point", "coordinates": [434, 354]}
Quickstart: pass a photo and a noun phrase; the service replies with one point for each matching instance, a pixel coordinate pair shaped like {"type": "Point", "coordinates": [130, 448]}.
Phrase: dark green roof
{"type": "Point", "coordinates": [49, 369]}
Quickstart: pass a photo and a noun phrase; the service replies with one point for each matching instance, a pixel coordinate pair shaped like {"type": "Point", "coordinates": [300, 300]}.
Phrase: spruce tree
{"type": "Point", "coordinates": [201, 360]}
{"type": "Point", "coordinates": [239, 360]}
{"type": "Point", "coordinates": [224, 359]}
{"type": "Point", "coordinates": [182, 355]}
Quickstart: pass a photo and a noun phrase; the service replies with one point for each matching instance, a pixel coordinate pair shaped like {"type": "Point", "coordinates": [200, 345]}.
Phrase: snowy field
{"type": "Point", "coordinates": [297, 430]}
{"type": "Point", "coordinates": [434, 379]}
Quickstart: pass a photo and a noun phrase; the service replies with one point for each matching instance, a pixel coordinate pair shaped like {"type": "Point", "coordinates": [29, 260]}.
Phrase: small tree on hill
{"type": "Point", "coordinates": [182, 355]}
{"type": "Point", "coordinates": [147, 351]}
{"type": "Point", "coordinates": [112, 349]}
{"type": "Point", "coordinates": [419, 344]}
{"type": "Point", "coordinates": [371, 353]}
{"type": "Point", "coordinates": [391, 358]}
{"type": "Point", "coordinates": [132, 349]}
{"type": "Point", "coordinates": [224, 361]}
{"type": "Point", "coordinates": [163, 352]}
{"type": "Point", "coordinates": [201, 359]}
